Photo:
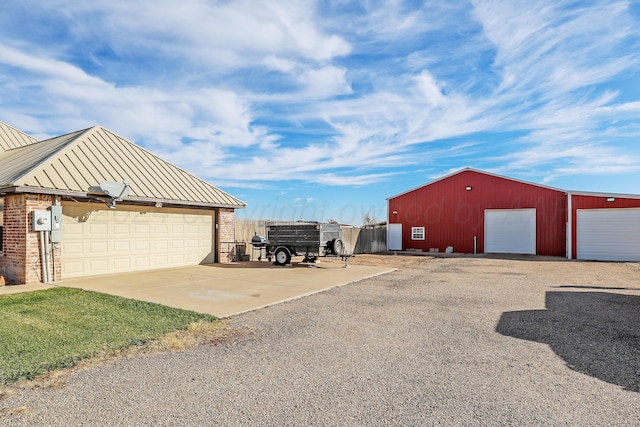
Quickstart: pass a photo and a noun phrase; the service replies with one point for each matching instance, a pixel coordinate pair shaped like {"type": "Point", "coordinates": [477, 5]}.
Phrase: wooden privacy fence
{"type": "Point", "coordinates": [371, 240]}
{"type": "Point", "coordinates": [356, 240]}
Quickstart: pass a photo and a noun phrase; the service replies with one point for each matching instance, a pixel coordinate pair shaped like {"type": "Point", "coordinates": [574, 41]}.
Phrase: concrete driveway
{"type": "Point", "coordinates": [225, 290]}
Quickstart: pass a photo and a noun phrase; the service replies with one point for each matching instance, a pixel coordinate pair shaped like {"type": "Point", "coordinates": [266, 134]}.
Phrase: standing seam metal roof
{"type": "Point", "coordinates": [11, 137]}
{"type": "Point", "coordinates": [79, 160]}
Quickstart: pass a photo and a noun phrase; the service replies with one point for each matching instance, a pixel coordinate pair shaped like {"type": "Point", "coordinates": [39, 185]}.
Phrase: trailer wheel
{"type": "Point", "coordinates": [338, 247]}
{"type": "Point", "coordinates": [283, 256]}
{"type": "Point", "coordinates": [328, 247]}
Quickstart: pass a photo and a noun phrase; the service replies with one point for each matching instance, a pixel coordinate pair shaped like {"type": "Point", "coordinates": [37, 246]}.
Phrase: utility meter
{"type": "Point", "coordinates": [41, 221]}
{"type": "Point", "coordinates": [56, 223]}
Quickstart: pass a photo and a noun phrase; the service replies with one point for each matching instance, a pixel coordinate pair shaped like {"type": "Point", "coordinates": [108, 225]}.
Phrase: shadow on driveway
{"type": "Point", "coordinates": [595, 333]}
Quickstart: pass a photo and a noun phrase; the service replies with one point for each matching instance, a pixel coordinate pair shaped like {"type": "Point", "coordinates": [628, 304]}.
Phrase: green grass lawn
{"type": "Point", "coordinates": [45, 330]}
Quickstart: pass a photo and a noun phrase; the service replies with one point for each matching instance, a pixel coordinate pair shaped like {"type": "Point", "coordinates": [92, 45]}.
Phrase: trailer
{"type": "Point", "coordinates": [285, 240]}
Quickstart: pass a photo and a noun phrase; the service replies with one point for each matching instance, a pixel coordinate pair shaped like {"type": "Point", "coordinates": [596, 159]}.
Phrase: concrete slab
{"type": "Point", "coordinates": [14, 289]}
{"type": "Point", "coordinates": [226, 290]}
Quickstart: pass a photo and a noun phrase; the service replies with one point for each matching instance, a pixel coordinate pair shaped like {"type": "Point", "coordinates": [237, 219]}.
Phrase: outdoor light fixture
{"type": "Point", "coordinates": [468, 188]}
{"type": "Point", "coordinates": [395, 212]}
{"type": "Point", "coordinates": [158, 204]}
{"type": "Point", "coordinates": [611, 199]}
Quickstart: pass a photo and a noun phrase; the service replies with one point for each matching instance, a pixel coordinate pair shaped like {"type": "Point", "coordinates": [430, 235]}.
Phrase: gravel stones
{"type": "Point", "coordinates": [441, 341]}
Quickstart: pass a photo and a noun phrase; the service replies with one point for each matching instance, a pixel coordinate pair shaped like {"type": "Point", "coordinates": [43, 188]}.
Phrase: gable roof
{"type": "Point", "coordinates": [11, 137]}
{"type": "Point", "coordinates": [70, 164]}
{"type": "Point", "coordinates": [480, 172]}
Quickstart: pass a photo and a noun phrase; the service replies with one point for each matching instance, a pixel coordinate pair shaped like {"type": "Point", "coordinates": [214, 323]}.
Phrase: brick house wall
{"type": "Point", "coordinates": [226, 235]}
{"type": "Point", "coordinates": [20, 261]}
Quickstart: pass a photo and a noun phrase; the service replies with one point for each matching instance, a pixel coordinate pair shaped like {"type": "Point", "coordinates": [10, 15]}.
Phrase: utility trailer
{"type": "Point", "coordinates": [311, 239]}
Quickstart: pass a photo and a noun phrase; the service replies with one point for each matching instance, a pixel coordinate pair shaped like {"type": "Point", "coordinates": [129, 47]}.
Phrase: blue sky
{"type": "Point", "coordinates": [323, 109]}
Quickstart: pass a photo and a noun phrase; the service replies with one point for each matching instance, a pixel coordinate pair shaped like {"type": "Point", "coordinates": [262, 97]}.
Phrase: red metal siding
{"type": "Point", "coordinates": [579, 201]}
{"type": "Point", "coordinates": [452, 216]}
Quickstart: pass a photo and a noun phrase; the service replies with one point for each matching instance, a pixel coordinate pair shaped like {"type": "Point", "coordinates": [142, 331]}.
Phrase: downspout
{"type": "Point", "coordinates": [569, 227]}
{"type": "Point", "coordinates": [388, 226]}
{"type": "Point", "coordinates": [216, 238]}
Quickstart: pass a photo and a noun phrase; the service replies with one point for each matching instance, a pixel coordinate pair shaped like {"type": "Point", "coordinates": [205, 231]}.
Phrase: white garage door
{"type": "Point", "coordinates": [511, 231]}
{"type": "Point", "coordinates": [97, 240]}
{"type": "Point", "coordinates": [608, 234]}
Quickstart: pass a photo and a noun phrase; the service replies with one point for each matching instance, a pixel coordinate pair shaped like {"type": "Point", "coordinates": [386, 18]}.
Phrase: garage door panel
{"type": "Point", "coordinates": [74, 268]}
{"type": "Point", "coordinates": [142, 262]}
{"type": "Point", "coordinates": [142, 229]}
{"type": "Point", "coordinates": [142, 245]}
{"type": "Point", "coordinates": [121, 229]}
{"type": "Point", "coordinates": [101, 241]}
{"type": "Point", "coordinates": [510, 231]}
{"type": "Point", "coordinates": [161, 245]}
{"type": "Point", "coordinates": [122, 246]}
{"type": "Point", "coordinates": [122, 264]}
{"type": "Point", "coordinates": [73, 229]}
{"type": "Point", "coordinates": [99, 247]}
{"type": "Point", "coordinates": [177, 259]}
{"type": "Point", "coordinates": [161, 260]}
{"type": "Point", "coordinates": [99, 266]}
{"type": "Point", "coordinates": [194, 259]}
{"type": "Point", "coordinates": [161, 229]}
{"type": "Point", "coordinates": [608, 234]}
{"type": "Point", "coordinates": [74, 248]}
{"type": "Point", "coordinates": [99, 229]}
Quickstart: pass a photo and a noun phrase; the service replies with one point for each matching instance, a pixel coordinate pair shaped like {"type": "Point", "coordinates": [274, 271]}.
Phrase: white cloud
{"type": "Point", "coordinates": [324, 82]}
{"type": "Point", "coordinates": [279, 64]}
{"type": "Point", "coordinates": [429, 88]}
{"type": "Point", "coordinates": [270, 91]}
{"type": "Point", "coordinates": [352, 180]}
{"type": "Point", "coordinates": [225, 34]}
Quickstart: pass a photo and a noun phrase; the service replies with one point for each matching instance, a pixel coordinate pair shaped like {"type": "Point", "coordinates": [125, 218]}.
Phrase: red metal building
{"type": "Point", "coordinates": [476, 212]}
{"type": "Point", "coordinates": [471, 211]}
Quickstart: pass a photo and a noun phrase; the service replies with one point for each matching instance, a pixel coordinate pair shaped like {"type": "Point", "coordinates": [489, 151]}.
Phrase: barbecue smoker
{"type": "Point", "coordinates": [311, 239]}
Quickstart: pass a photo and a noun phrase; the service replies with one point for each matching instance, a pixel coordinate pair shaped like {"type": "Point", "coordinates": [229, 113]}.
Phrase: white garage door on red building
{"type": "Point", "coordinates": [510, 231]}
{"type": "Point", "coordinates": [608, 234]}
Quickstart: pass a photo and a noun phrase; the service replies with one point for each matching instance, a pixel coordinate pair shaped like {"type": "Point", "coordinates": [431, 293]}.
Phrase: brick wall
{"type": "Point", "coordinates": [20, 260]}
{"type": "Point", "coordinates": [226, 235]}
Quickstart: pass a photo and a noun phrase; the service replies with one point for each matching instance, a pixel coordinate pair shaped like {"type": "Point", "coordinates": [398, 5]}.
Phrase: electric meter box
{"type": "Point", "coordinates": [56, 223]}
{"type": "Point", "coordinates": [41, 221]}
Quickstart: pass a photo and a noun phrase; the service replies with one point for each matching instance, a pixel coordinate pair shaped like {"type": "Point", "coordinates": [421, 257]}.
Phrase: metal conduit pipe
{"type": "Point", "coordinates": [47, 257]}
{"type": "Point", "coordinates": [42, 258]}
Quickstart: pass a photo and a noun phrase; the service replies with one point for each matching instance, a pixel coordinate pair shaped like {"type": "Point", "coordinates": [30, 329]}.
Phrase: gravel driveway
{"type": "Point", "coordinates": [444, 341]}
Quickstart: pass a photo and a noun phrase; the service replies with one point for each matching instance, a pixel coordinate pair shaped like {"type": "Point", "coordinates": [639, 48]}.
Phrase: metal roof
{"type": "Point", "coordinates": [72, 163]}
{"type": "Point", "coordinates": [581, 193]}
{"type": "Point", "coordinates": [480, 172]}
{"type": "Point", "coordinates": [11, 137]}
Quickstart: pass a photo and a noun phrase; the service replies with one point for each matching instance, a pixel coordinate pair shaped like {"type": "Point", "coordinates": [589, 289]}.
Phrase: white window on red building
{"type": "Point", "coordinates": [417, 233]}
